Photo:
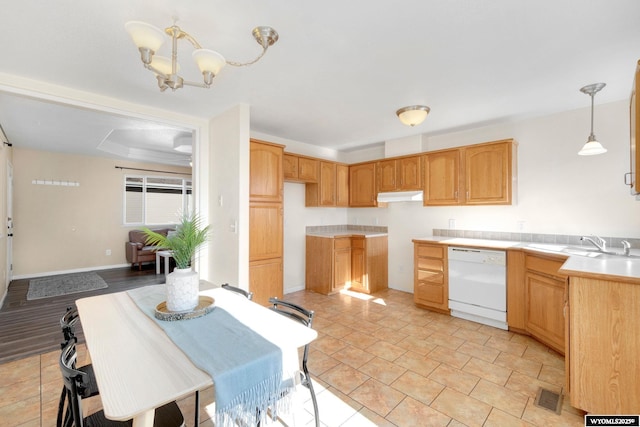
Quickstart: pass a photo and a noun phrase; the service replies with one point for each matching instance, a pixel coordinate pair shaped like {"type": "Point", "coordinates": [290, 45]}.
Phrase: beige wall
{"type": "Point", "coordinates": [59, 228]}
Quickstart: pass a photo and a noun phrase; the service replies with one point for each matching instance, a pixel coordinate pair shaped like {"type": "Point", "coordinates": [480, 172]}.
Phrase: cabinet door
{"type": "Point", "coordinates": [488, 174]}
{"type": "Point", "coordinates": [327, 184]}
{"type": "Point", "coordinates": [409, 172]}
{"type": "Point", "coordinates": [358, 264]}
{"type": "Point", "coordinates": [544, 314]}
{"type": "Point", "coordinates": [342, 185]}
{"type": "Point", "coordinates": [290, 166]}
{"type": "Point", "coordinates": [362, 185]}
{"type": "Point", "coordinates": [442, 178]}
{"type": "Point", "coordinates": [341, 263]}
{"type": "Point", "coordinates": [308, 169]}
{"type": "Point", "coordinates": [265, 280]}
{"type": "Point", "coordinates": [266, 176]}
{"type": "Point", "coordinates": [386, 175]}
{"type": "Point", "coordinates": [265, 238]}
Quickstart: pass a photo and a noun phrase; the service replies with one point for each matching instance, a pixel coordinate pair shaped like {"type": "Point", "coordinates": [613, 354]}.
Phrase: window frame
{"type": "Point", "coordinates": [186, 186]}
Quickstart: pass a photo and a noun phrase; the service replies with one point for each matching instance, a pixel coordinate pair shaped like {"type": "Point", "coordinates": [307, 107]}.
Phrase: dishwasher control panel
{"type": "Point", "coordinates": [480, 256]}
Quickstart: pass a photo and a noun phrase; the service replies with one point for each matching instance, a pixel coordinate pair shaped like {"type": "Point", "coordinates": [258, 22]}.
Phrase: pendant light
{"type": "Point", "coordinates": [592, 147]}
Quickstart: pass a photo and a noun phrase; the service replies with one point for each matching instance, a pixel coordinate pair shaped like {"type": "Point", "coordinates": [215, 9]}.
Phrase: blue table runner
{"type": "Point", "coordinates": [246, 368]}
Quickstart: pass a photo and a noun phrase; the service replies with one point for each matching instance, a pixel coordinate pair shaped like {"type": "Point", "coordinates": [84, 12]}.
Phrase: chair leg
{"type": "Point", "coordinates": [196, 421]}
{"type": "Point", "coordinates": [309, 385]}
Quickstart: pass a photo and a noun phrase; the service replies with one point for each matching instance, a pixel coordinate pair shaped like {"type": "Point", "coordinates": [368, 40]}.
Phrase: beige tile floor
{"type": "Point", "coordinates": [377, 361]}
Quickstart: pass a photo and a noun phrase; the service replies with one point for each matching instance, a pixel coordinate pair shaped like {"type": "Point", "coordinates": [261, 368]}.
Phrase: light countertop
{"type": "Point", "coordinates": [346, 233]}
{"type": "Point", "coordinates": [581, 260]}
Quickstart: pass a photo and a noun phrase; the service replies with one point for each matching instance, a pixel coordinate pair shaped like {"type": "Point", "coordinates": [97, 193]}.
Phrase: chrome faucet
{"type": "Point", "coordinates": [627, 247]}
{"type": "Point", "coordinates": [596, 241]}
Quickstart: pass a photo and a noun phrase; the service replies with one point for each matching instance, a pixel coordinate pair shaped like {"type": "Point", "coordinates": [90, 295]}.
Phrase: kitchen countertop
{"type": "Point", "coordinates": [581, 260]}
{"type": "Point", "coordinates": [346, 233]}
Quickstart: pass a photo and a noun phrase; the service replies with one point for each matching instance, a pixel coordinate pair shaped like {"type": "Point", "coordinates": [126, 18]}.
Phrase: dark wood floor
{"type": "Point", "coordinates": [33, 327]}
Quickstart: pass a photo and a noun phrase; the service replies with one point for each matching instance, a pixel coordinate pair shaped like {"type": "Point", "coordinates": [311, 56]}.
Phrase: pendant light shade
{"type": "Point", "coordinates": [592, 147]}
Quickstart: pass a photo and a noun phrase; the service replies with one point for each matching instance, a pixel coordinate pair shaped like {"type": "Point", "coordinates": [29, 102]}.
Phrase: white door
{"type": "Point", "coordinates": [9, 223]}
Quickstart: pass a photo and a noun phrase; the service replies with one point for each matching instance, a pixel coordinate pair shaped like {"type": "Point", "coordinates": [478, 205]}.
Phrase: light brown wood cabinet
{"type": "Point", "coordinates": [369, 264]}
{"type": "Point", "coordinates": [265, 220]}
{"type": "Point", "coordinates": [430, 283]}
{"type": "Point", "coordinates": [479, 174]}
{"type": "Point", "coordinates": [331, 188]}
{"type": "Point", "coordinates": [604, 323]}
{"type": "Point", "coordinates": [401, 174]}
{"type": "Point", "coordinates": [362, 185]}
{"type": "Point", "coordinates": [634, 119]}
{"type": "Point", "coordinates": [545, 298]}
{"type": "Point", "coordinates": [355, 262]}
{"type": "Point", "coordinates": [299, 168]}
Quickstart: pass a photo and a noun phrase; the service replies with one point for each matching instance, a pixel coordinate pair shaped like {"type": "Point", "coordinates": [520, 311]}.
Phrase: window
{"type": "Point", "coordinates": [152, 200]}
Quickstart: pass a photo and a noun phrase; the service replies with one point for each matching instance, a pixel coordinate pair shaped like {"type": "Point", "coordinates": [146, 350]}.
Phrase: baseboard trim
{"type": "Point", "coordinates": [75, 270]}
{"type": "Point", "coordinates": [294, 289]}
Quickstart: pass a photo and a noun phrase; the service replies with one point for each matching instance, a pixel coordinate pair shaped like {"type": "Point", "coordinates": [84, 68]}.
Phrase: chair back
{"type": "Point", "coordinates": [292, 311]}
{"type": "Point", "coordinates": [68, 324]}
{"type": "Point", "coordinates": [74, 382]}
{"type": "Point", "coordinates": [248, 295]}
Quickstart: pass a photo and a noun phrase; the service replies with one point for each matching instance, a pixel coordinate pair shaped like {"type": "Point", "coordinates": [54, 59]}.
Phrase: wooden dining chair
{"type": "Point", "coordinates": [75, 382]}
{"type": "Point", "coordinates": [68, 324]}
{"type": "Point", "coordinates": [246, 294]}
{"type": "Point", "coordinates": [304, 316]}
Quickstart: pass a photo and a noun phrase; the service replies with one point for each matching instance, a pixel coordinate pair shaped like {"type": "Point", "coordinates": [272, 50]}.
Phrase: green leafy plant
{"type": "Point", "coordinates": [184, 242]}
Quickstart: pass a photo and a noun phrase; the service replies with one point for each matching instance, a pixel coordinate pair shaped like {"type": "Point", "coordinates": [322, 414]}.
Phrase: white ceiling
{"type": "Point", "coordinates": [335, 78]}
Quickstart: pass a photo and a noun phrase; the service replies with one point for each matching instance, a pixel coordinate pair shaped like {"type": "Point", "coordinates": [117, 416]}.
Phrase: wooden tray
{"type": "Point", "coordinates": [205, 306]}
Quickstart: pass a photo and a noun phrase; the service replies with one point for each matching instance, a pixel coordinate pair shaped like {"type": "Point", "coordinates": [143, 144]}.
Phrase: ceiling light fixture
{"type": "Point", "coordinates": [148, 39]}
{"type": "Point", "coordinates": [413, 115]}
{"type": "Point", "coordinates": [592, 147]}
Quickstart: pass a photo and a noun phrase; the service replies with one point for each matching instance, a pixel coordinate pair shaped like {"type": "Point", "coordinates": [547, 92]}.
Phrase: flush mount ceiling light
{"type": "Point", "coordinates": [413, 115]}
{"type": "Point", "coordinates": [148, 39]}
{"type": "Point", "coordinates": [592, 146]}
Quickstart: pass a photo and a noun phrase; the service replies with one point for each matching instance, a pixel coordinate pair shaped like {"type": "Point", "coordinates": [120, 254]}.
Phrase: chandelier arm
{"type": "Point", "coordinates": [243, 64]}
{"type": "Point", "coordinates": [155, 70]}
{"type": "Point", "coordinates": [203, 85]}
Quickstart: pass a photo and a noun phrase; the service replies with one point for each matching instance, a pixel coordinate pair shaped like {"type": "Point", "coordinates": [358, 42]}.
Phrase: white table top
{"type": "Point", "coordinates": [138, 368]}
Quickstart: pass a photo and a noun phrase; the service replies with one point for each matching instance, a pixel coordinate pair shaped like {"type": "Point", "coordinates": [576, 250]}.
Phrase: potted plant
{"type": "Point", "coordinates": [183, 283]}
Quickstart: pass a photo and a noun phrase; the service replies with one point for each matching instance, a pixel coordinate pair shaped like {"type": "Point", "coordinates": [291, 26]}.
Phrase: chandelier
{"type": "Point", "coordinates": [148, 39]}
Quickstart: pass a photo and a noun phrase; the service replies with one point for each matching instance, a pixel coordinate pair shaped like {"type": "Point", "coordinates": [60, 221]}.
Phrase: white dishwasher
{"type": "Point", "coordinates": [478, 285]}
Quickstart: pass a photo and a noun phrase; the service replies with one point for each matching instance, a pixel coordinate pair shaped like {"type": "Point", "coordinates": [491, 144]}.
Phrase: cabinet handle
{"type": "Point", "coordinates": [467, 195]}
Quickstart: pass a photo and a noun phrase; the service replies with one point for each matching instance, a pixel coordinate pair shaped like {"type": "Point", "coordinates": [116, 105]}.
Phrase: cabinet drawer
{"type": "Point", "coordinates": [544, 265]}
{"type": "Point", "coordinates": [357, 243]}
{"type": "Point", "coordinates": [430, 264]}
{"type": "Point", "coordinates": [342, 243]}
{"type": "Point", "coordinates": [430, 251]}
{"type": "Point", "coordinates": [430, 276]}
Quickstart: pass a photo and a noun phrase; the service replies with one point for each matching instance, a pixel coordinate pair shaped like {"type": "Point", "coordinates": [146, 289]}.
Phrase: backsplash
{"type": "Point", "coordinates": [560, 239]}
{"type": "Point", "coordinates": [344, 227]}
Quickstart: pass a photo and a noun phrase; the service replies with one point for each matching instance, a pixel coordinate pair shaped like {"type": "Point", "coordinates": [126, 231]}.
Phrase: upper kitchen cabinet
{"type": "Point", "coordinates": [402, 174]}
{"type": "Point", "coordinates": [266, 176]}
{"type": "Point", "coordinates": [300, 168]}
{"type": "Point", "coordinates": [442, 178]}
{"type": "Point", "coordinates": [488, 173]}
{"type": "Point", "coordinates": [362, 185]}
{"type": "Point", "coordinates": [332, 187]}
{"type": "Point", "coordinates": [473, 175]}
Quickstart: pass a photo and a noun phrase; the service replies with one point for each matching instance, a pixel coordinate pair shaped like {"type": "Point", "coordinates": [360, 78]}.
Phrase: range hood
{"type": "Point", "coordinates": [400, 196]}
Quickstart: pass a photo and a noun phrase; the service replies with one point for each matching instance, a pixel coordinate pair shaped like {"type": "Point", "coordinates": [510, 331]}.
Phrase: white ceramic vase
{"type": "Point", "coordinates": [182, 286]}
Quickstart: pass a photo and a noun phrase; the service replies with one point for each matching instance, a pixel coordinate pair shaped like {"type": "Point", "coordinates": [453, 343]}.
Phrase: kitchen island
{"type": "Point", "coordinates": [346, 259]}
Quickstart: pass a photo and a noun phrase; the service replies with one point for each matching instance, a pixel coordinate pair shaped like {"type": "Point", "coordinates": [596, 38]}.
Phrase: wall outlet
{"type": "Point", "coordinates": [107, 252]}
{"type": "Point", "coordinates": [520, 225]}
{"type": "Point", "coordinates": [452, 223]}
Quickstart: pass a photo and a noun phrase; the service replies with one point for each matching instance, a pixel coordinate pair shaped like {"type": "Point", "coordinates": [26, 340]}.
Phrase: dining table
{"type": "Point", "coordinates": [138, 367]}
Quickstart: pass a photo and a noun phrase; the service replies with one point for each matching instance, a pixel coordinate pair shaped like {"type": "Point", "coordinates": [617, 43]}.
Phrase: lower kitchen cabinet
{"type": "Point", "coordinates": [333, 264]}
{"type": "Point", "coordinates": [265, 279]}
{"type": "Point", "coordinates": [545, 297]}
{"type": "Point", "coordinates": [430, 284]}
{"type": "Point", "coordinates": [604, 324]}
{"type": "Point", "coordinates": [369, 264]}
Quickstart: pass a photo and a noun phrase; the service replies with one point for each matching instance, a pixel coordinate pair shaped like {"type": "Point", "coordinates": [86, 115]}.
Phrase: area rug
{"type": "Point", "coordinates": [64, 284]}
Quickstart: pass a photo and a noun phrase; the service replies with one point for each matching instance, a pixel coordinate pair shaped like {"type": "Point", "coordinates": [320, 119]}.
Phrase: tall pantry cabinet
{"type": "Point", "coordinates": [266, 185]}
